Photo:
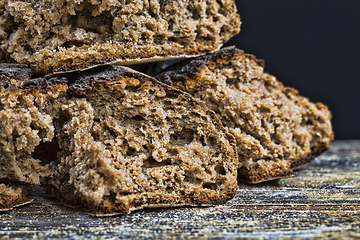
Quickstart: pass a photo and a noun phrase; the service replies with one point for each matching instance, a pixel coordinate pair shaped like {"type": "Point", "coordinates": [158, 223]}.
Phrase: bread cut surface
{"type": "Point", "coordinates": [276, 130]}
{"type": "Point", "coordinates": [114, 140]}
{"type": "Point", "coordinates": [24, 123]}
{"type": "Point", "coordinates": [56, 36]}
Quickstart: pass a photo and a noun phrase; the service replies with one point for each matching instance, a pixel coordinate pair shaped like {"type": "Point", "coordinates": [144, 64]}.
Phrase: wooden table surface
{"type": "Point", "coordinates": [322, 200]}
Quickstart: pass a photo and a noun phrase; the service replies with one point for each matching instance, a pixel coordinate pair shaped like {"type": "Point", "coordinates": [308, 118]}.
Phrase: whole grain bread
{"type": "Point", "coordinates": [58, 36]}
{"type": "Point", "coordinates": [114, 140]}
{"type": "Point", "coordinates": [276, 130]}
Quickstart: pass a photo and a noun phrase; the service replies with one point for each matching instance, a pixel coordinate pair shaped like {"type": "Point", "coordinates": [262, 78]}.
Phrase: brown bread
{"type": "Point", "coordinates": [114, 140]}
{"type": "Point", "coordinates": [63, 35]}
{"type": "Point", "coordinates": [276, 130]}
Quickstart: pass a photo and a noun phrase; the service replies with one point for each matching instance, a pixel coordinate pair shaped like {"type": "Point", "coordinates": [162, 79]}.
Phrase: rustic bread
{"type": "Point", "coordinates": [114, 140]}
{"type": "Point", "coordinates": [276, 130]}
{"type": "Point", "coordinates": [56, 36]}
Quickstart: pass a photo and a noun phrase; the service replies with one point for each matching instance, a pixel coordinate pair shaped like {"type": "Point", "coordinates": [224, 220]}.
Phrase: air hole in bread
{"type": "Point", "coordinates": [46, 152]}
{"type": "Point", "coordinates": [183, 137]}
{"type": "Point", "coordinates": [220, 169]}
{"type": "Point", "coordinates": [152, 163]}
{"type": "Point", "coordinates": [211, 186]}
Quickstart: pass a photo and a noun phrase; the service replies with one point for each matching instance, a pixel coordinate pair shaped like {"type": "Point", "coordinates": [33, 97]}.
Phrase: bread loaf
{"type": "Point", "coordinates": [114, 140]}
{"type": "Point", "coordinates": [276, 129]}
{"type": "Point", "coordinates": [58, 36]}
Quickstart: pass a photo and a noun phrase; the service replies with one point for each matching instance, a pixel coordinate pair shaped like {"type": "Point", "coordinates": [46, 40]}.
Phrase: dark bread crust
{"type": "Point", "coordinates": [298, 163]}
{"type": "Point", "coordinates": [17, 72]}
{"type": "Point", "coordinates": [18, 78]}
{"type": "Point", "coordinates": [193, 75]}
{"type": "Point", "coordinates": [10, 198]}
{"type": "Point", "coordinates": [108, 73]}
{"type": "Point", "coordinates": [189, 69]}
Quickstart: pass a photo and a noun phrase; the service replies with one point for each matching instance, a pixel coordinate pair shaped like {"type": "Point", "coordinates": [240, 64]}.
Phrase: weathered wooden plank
{"type": "Point", "coordinates": [322, 200]}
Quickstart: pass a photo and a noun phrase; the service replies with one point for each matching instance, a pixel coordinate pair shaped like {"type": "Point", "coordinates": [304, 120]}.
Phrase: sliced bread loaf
{"type": "Point", "coordinates": [114, 140]}
{"type": "Point", "coordinates": [57, 36]}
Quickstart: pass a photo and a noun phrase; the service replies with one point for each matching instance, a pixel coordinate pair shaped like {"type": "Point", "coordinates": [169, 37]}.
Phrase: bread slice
{"type": "Point", "coordinates": [114, 140]}
{"type": "Point", "coordinates": [18, 137]}
{"type": "Point", "coordinates": [276, 130]}
{"type": "Point", "coordinates": [24, 125]}
{"type": "Point", "coordinates": [58, 36]}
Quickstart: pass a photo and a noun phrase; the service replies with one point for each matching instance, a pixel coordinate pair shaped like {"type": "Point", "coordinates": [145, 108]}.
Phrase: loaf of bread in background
{"type": "Point", "coordinates": [58, 36]}
{"type": "Point", "coordinates": [276, 130]}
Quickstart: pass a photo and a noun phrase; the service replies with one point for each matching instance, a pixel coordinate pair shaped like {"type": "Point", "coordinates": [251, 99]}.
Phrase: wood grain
{"type": "Point", "coordinates": [321, 201]}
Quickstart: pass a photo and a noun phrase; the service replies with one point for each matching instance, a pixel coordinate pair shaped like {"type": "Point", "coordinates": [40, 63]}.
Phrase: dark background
{"type": "Point", "coordinates": [311, 45]}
